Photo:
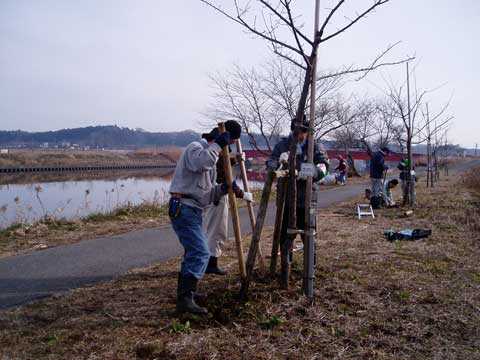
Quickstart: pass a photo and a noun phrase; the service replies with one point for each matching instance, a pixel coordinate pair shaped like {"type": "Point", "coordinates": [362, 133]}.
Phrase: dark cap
{"type": "Point", "coordinates": [386, 149]}
{"type": "Point", "coordinates": [304, 125]}
{"type": "Point", "coordinates": [212, 135]}
{"type": "Point", "coordinates": [231, 126]}
{"type": "Point", "coordinates": [234, 129]}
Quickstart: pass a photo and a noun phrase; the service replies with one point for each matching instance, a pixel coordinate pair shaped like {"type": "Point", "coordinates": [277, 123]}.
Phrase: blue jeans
{"type": "Point", "coordinates": [188, 227]}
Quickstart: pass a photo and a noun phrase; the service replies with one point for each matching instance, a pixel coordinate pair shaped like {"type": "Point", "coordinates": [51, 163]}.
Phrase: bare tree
{"type": "Point", "coordinates": [264, 99]}
{"type": "Point", "coordinates": [275, 22]}
{"type": "Point", "coordinates": [359, 131]}
{"type": "Point", "coordinates": [429, 134]}
{"type": "Point", "coordinates": [242, 95]}
{"type": "Point", "coordinates": [407, 108]}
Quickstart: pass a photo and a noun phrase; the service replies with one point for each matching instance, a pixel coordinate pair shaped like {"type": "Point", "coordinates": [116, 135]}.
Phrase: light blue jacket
{"type": "Point", "coordinates": [195, 174]}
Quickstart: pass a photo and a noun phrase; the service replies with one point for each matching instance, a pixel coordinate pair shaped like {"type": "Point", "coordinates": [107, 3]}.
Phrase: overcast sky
{"type": "Point", "coordinates": [144, 63]}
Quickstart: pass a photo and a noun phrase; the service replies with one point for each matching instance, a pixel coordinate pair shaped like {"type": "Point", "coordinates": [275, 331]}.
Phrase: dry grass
{"type": "Point", "coordinates": [43, 177]}
{"type": "Point", "coordinates": [472, 179]}
{"type": "Point", "coordinates": [50, 232]}
{"type": "Point", "coordinates": [78, 158]}
{"type": "Point", "coordinates": [173, 152]}
{"type": "Point", "coordinates": [373, 300]}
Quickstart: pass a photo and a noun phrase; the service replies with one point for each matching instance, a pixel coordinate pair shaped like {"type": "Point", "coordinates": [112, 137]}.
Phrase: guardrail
{"type": "Point", "coordinates": [61, 168]}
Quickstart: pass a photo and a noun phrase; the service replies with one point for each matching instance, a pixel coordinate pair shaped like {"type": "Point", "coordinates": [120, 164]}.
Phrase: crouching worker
{"type": "Point", "coordinates": [193, 188]}
{"type": "Point", "coordinates": [387, 194]}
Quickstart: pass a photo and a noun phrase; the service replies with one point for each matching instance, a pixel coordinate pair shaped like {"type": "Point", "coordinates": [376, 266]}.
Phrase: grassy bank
{"type": "Point", "coordinates": [50, 232]}
{"type": "Point", "coordinates": [79, 158]}
{"type": "Point", "coordinates": [374, 299]}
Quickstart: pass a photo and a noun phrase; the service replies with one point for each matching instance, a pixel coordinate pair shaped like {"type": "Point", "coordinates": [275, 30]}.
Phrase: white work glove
{"type": "Point", "coordinates": [283, 157]}
{"type": "Point", "coordinates": [321, 171]}
{"type": "Point", "coordinates": [247, 196]}
{"type": "Point", "coordinates": [238, 156]}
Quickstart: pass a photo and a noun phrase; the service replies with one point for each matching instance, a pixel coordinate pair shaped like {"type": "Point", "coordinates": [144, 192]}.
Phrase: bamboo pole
{"type": "Point", "coordinates": [233, 205]}
{"type": "Point", "coordinates": [277, 231]}
{"type": "Point", "coordinates": [252, 253]}
{"type": "Point", "coordinates": [251, 212]}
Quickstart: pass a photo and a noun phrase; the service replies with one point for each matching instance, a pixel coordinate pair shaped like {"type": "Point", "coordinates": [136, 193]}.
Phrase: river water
{"type": "Point", "coordinates": [75, 199]}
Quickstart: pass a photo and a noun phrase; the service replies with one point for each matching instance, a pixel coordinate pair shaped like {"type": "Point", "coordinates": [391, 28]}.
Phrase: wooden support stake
{"type": "Point", "coordinates": [282, 193]}
{"type": "Point", "coordinates": [252, 253]}
{"type": "Point", "coordinates": [233, 205]}
{"type": "Point", "coordinates": [251, 213]}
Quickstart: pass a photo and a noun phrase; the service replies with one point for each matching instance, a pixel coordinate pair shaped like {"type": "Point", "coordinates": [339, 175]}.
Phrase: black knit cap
{"type": "Point", "coordinates": [303, 127]}
{"type": "Point", "coordinates": [234, 129]}
{"type": "Point", "coordinates": [231, 126]}
{"type": "Point", "coordinates": [212, 135]}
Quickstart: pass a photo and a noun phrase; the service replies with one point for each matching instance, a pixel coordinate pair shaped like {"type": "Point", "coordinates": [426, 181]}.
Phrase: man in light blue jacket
{"type": "Point", "coordinates": [193, 188]}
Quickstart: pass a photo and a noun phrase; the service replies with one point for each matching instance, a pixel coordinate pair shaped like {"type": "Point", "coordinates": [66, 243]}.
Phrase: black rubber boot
{"type": "Point", "coordinates": [213, 268]}
{"type": "Point", "coordinates": [187, 285]}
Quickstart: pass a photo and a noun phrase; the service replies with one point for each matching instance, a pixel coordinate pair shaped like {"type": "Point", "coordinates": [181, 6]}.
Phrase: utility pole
{"type": "Point", "coordinates": [411, 186]}
{"type": "Point", "coordinates": [446, 156]}
{"type": "Point", "coordinates": [310, 212]}
{"type": "Point", "coordinates": [435, 154]}
{"type": "Point", "coordinates": [429, 150]}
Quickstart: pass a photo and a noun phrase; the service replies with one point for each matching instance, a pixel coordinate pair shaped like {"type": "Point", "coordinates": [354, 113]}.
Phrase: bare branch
{"type": "Point", "coordinates": [252, 28]}
{"type": "Point", "coordinates": [354, 21]}
{"type": "Point", "coordinates": [295, 33]}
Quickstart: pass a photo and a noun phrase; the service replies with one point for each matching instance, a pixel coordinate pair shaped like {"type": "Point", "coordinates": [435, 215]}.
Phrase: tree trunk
{"type": "Point", "coordinates": [292, 183]}
{"type": "Point", "coordinates": [352, 171]}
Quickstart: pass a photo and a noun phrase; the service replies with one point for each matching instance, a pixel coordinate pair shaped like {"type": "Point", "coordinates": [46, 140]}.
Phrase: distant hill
{"type": "Point", "coordinates": [115, 137]}
{"type": "Point", "coordinates": [111, 137]}
{"type": "Point", "coordinates": [103, 137]}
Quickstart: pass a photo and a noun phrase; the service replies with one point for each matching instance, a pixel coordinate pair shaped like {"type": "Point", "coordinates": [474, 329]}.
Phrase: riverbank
{"type": "Point", "coordinates": [373, 298]}
{"type": "Point", "coordinates": [23, 238]}
{"type": "Point", "coordinates": [54, 158]}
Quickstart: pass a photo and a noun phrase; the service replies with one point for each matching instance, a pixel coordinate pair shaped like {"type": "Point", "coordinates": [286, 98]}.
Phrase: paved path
{"type": "Point", "coordinates": [26, 278]}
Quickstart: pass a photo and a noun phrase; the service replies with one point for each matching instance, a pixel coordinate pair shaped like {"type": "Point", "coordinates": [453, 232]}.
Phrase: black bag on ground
{"type": "Point", "coordinates": [416, 234]}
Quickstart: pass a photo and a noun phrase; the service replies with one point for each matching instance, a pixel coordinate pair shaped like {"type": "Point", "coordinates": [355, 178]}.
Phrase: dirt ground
{"type": "Point", "coordinates": [374, 299]}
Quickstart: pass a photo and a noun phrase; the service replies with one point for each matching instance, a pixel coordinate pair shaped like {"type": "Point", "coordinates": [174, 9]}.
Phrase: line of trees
{"type": "Point", "coordinates": [263, 100]}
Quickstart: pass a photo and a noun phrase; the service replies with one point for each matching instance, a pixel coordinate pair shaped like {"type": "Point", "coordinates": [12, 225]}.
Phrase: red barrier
{"type": "Point", "coordinates": [356, 155]}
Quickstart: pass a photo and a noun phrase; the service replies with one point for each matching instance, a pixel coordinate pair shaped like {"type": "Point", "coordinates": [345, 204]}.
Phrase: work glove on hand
{"type": "Point", "coordinates": [240, 156]}
{"type": "Point", "coordinates": [247, 196]}
{"type": "Point", "coordinates": [283, 157]}
{"type": "Point", "coordinates": [223, 139]}
{"type": "Point", "coordinates": [236, 189]}
{"type": "Point", "coordinates": [322, 171]}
